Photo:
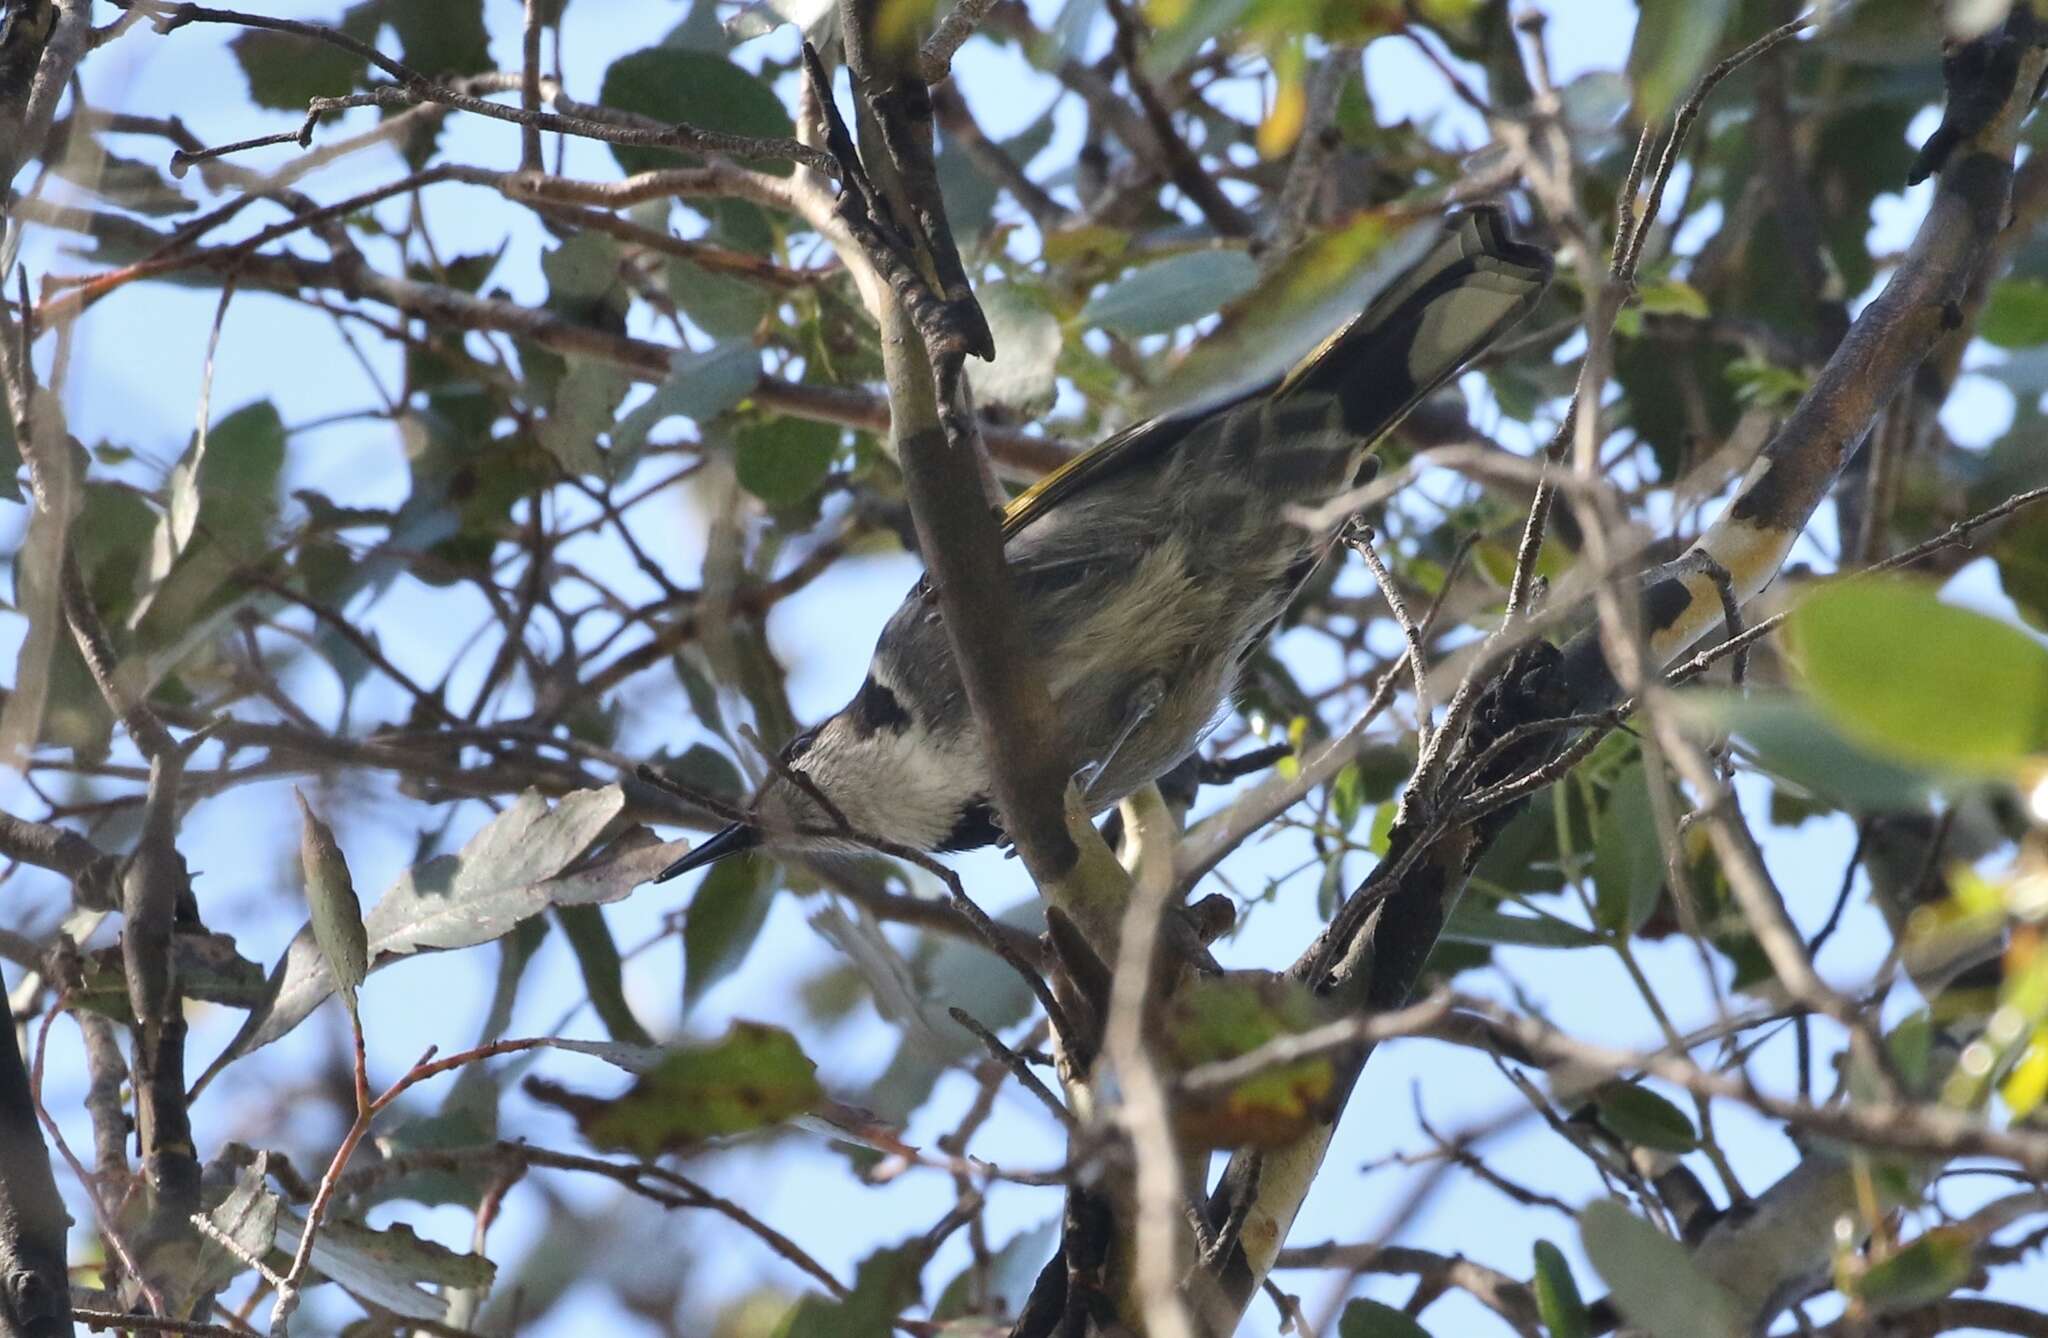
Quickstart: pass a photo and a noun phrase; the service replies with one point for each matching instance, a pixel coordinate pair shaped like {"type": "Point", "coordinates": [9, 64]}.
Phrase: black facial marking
{"type": "Point", "coordinates": [875, 708]}
{"type": "Point", "coordinates": [975, 827]}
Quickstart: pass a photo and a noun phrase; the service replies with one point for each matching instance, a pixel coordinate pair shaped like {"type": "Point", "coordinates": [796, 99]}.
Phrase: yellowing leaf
{"type": "Point", "coordinates": [1283, 123]}
{"type": "Point", "coordinates": [1673, 297]}
{"type": "Point", "coordinates": [2027, 1084]}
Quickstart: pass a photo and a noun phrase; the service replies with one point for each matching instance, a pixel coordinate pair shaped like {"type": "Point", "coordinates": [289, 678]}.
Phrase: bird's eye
{"type": "Point", "coordinates": [800, 745]}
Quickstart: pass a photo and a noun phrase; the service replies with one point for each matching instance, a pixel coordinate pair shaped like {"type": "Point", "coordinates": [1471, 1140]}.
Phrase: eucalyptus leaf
{"type": "Point", "coordinates": [337, 914]}
{"type": "Point", "coordinates": [723, 918]}
{"type": "Point", "coordinates": [1028, 343]}
{"type": "Point", "coordinates": [1628, 859]}
{"type": "Point", "coordinates": [1557, 1295]}
{"type": "Point", "coordinates": [1675, 42]}
{"type": "Point", "coordinates": [389, 1268]}
{"type": "Point", "coordinates": [247, 1218]}
{"type": "Point", "coordinates": [1170, 293]}
{"type": "Point", "coordinates": [1367, 1318]}
{"type": "Point", "coordinates": [1909, 675]}
{"type": "Point", "coordinates": [753, 1077]}
{"type": "Point", "coordinates": [526, 859]}
{"type": "Point", "coordinates": [699, 88]}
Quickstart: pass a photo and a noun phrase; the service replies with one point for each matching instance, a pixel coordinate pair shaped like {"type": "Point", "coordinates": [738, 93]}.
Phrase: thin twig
{"type": "Point", "coordinates": [1016, 1064]}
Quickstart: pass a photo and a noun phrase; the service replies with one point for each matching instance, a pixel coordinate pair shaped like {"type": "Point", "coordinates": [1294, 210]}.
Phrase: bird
{"type": "Point", "coordinates": [1144, 573]}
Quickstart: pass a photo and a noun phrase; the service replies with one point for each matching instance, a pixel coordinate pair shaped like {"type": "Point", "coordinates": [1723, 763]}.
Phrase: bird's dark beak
{"type": "Point", "coordinates": [732, 840]}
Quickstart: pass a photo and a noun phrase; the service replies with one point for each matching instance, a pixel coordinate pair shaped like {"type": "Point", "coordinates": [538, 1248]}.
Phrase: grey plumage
{"type": "Point", "coordinates": [1147, 570]}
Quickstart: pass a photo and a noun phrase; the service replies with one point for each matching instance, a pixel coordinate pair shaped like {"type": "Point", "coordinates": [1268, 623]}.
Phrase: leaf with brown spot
{"type": "Point", "coordinates": [1218, 1019]}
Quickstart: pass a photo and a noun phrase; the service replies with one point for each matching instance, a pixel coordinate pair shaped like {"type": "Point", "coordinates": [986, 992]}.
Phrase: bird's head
{"type": "Point", "coordinates": [886, 776]}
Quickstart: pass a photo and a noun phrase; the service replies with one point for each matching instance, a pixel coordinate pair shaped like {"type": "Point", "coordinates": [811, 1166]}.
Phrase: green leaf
{"type": "Point", "coordinates": [951, 973]}
{"type": "Point", "coordinates": [730, 906]}
{"type": "Point", "coordinates": [1628, 859]}
{"type": "Point", "coordinates": [1473, 922]}
{"type": "Point", "coordinates": [783, 460]}
{"type": "Point", "coordinates": [285, 71]}
{"type": "Point", "coordinates": [970, 196]}
{"type": "Point", "coordinates": [1673, 297]}
{"type": "Point", "coordinates": [1655, 1284]}
{"type": "Point", "coordinates": [1557, 1295]}
{"type": "Point", "coordinates": [2016, 314]}
{"type": "Point", "coordinates": [1902, 672]}
{"type": "Point", "coordinates": [337, 914]}
{"type": "Point", "coordinates": [1365, 1318]}
{"type": "Point", "coordinates": [1639, 1117]}
{"type": "Point", "coordinates": [2022, 557]}
{"type": "Point", "coordinates": [1170, 293]}
{"type": "Point", "coordinates": [226, 484]}
{"type": "Point", "coordinates": [883, 1287]}
{"type": "Point", "coordinates": [1011, 1271]}
{"type": "Point", "coordinates": [1794, 741]}
{"type": "Point", "coordinates": [1675, 41]}
{"type": "Point", "coordinates": [723, 305]}
{"type": "Point", "coordinates": [1939, 1261]}
{"type": "Point", "coordinates": [1195, 22]}
{"type": "Point", "coordinates": [444, 38]}
{"type": "Point", "coordinates": [603, 975]}
{"type": "Point", "coordinates": [208, 967]}
{"type": "Point", "coordinates": [753, 1077]}
{"type": "Point", "coordinates": [698, 88]}
{"type": "Point", "coordinates": [1762, 384]}
{"type": "Point", "coordinates": [1347, 797]}
{"type": "Point", "coordinates": [583, 268]}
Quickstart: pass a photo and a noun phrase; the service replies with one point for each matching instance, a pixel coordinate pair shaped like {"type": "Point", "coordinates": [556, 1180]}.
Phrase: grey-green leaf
{"type": "Point", "coordinates": [1170, 293]}
{"type": "Point", "coordinates": [389, 1268]}
{"type": "Point", "coordinates": [1653, 1279]}
{"type": "Point", "coordinates": [247, 1218]}
{"type": "Point", "coordinates": [699, 386]}
{"type": "Point", "coordinates": [720, 925]}
{"type": "Point", "coordinates": [526, 859]}
{"type": "Point", "coordinates": [1628, 859]}
{"type": "Point", "coordinates": [1028, 344]}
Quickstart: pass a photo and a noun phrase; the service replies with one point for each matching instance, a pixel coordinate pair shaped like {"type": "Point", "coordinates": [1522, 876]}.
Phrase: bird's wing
{"type": "Point", "coordinates": [1140, 441]}
{"type": "Point", "coordinates": [1418, 331]}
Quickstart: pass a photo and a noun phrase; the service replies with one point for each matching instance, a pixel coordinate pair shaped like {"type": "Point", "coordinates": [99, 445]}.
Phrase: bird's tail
{"type": "Point", "coordinates": [1462, 295]}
